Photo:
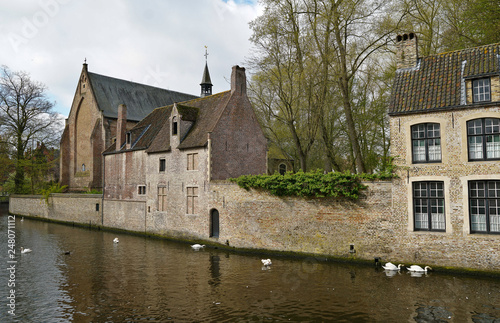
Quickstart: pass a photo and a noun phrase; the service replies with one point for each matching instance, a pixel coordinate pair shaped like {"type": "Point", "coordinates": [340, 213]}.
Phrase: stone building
{"type": "Point", "coordinates": [91, 124]}
{"type": "Point", "coordinates": [161, 169]}
{"type": "Point", "coordinates": [445, 137]}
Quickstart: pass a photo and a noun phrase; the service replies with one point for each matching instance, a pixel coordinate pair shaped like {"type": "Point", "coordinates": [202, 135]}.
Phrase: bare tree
{"type": "Point", "coordinates": [26, 117]}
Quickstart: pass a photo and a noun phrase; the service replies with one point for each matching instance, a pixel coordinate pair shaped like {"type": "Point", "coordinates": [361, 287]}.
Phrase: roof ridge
{"type": "Point", "coordinates": [142, 84]}
{"type": "Point", "coordinates": [462, 50]}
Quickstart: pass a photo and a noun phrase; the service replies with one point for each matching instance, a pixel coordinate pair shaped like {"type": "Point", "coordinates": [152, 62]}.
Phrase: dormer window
{"type": "Point", "coordinates": [174, 126]}
{"type": "Point", "coordinates": [481, 90]}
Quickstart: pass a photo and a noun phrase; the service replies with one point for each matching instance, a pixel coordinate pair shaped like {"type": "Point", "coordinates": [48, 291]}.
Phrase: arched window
{"type": "Point", "coordinates": [282, 169]}
{"type": "Point", "coordinates": [83, 167]}
{"type": "Point", "coordinates": [214, 223]}
{"type": "Point", "coordinates": [426, 142]}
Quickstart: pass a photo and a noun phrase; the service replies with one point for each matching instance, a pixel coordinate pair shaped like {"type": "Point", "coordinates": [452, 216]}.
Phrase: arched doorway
{"type": "Point", "coordinates": [214, 223]}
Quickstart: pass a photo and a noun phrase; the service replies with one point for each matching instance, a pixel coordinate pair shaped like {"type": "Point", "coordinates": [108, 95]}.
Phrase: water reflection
{"type": "Point", "coordinates": [158, 280]}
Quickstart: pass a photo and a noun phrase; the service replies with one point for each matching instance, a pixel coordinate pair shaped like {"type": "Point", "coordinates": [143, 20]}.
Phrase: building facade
{"type": "Point", "coordinates": [162, 168]}
{"type": "Point", "coordinates": [91, 124]}
{"type": "Point", "coordinates": [445, 138]}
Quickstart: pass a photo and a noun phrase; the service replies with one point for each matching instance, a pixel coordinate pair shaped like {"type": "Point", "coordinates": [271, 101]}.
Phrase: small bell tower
{"type": "Point", "coordinates": [206, 83]}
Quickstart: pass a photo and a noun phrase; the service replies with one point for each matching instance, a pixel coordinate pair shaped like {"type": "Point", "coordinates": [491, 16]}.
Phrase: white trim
{"type": "Point", "coordinates": [447, 202]}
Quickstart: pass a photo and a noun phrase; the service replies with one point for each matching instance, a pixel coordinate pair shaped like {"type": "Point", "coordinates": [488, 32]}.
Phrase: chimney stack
{"type": "Point", "coordinates": [407, 50]}
{"type": "Point", "coordinates": [121, 125]}
{"type": "Point", "coordinates": [238, 80]}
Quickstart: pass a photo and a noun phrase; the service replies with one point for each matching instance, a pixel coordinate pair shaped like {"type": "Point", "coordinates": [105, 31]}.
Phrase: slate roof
{"type": "Point", "coordinates": [436, 83]}
{"type": "Point", "coordinates": [140, 99]}
{"type": "Point", "coordinates": [153, 132]}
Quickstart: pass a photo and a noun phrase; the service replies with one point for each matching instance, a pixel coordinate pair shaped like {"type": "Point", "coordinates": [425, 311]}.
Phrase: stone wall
{"type": "Point", "coordinates": [79, 208]}
{"type": "Point", "coordinates": [456, 246]}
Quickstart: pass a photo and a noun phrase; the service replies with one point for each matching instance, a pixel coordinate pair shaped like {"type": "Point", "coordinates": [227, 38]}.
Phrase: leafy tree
{"type": "Point", "coordinates": [310, 54]}
{"type": "Point", "coordinates": [25, 116]}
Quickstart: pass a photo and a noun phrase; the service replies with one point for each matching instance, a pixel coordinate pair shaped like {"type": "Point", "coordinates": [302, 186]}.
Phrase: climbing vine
{"type": "Point", "coordinates": [310, 184]}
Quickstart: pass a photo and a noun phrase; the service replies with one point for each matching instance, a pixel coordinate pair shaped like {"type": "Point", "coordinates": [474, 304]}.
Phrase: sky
{"type": "Point", "coordinates": [155, 42]}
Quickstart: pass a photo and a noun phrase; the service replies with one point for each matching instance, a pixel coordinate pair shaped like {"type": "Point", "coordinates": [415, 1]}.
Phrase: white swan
{"type": "Point", "coordinates": [25, 250]}
{"type": "Point", "coordinates": [266, 262]}
{"type": "Point", "coordinates": [417, 268]}
{"type": "Point", "coordinates": [197, 246]}
{"type": "Point", "coordinates": [391, 266]}
{"type": "Point", "coordinates": [115, 240]}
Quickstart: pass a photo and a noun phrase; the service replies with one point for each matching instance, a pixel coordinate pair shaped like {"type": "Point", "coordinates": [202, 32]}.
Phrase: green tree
{"type": "Point", "coordinates": [26, 115]}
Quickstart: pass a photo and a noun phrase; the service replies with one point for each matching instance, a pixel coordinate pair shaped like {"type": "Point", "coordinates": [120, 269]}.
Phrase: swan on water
{"type": "Point", "coordinates": [266, 262]}
{"type": "Point", "coordinates": [197, 246]}
{"type": "Point", "coordinates": [391, 266]}
{"type": "Point", "coordinates": [25, 250]}
{"type": "Point", "coordinates": [115, 240]}
{"type": "Point", "coordinates": [417, 268]}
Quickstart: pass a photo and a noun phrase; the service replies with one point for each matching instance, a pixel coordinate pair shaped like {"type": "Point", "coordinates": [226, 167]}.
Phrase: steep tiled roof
{"type": "Point", "coordinates": [140, 99]}
{"type": "Point", "coordinates": [436, 82]}
{"type": "Point", "coordinates": [153, 132]}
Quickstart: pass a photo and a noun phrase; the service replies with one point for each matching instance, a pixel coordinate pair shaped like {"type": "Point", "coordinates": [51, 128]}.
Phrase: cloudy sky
{"type": "Point", "coordinates": [156, 42]}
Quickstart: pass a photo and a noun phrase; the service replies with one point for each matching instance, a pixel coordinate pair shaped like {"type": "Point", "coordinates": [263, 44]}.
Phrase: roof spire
{"type": "Point", "coordinates": [206, 83]}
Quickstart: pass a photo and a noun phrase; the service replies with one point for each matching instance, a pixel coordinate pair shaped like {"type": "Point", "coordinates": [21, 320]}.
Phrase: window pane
{"type": "Point", "coordinates": [494, 189]}
{"type": "Point", "coordinates": [476, 189]}
{"type": "Point", "coordinates": [494, 213]}
{"type": "Point", "coordinates": [421, 214]}
{"type": "Point", "coordinates": [493, 146]}
{"type": "Point", "coordinates": [478, 215]}
{"type": "Point", "coordinates": [491, 126]}
{"type": "Point", "coordinates": [420, 189]}
{"type": "Point", "coordinates": [418, 150]}
{"type": "Point", "coordinates": [474, 127]}
{"type": "Point", "coordinates": [481, 90]}
{"type": "Point", "coordinates": [418, 131]}
{"type": "Point", "coordinates": [434, 149]}
{"type": "Point", "coordinates": [476, 147]}
{"type": "Point", "coordinates": [437, 214]}
{"type": "Point", "coordinates": [433, 130]}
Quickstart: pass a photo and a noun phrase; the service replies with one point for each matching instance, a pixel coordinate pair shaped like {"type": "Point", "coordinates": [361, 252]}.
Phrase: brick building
{"type": "Point", "coordinates": [91, 124]}
{"type": "Point", "coordinates": [162, 167]}
{"type": "Point", "coordinates": [445, 137]}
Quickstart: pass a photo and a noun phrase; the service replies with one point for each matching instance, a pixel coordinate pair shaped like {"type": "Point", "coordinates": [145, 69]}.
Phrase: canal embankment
{"type": "Point", "coordinates": [348, 230]}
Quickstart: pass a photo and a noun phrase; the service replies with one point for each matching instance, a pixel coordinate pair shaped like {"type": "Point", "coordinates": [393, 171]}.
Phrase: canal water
{"type": "Point", "coordinates": [153, 280]}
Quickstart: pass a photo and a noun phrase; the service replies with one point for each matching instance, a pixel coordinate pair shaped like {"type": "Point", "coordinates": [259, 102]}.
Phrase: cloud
{"type": "Point", "coordinates": [156, 42]}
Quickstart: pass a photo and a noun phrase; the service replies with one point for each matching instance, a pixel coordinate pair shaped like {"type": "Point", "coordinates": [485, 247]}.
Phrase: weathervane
{"type": "Point", "coordinates": [206, 54]}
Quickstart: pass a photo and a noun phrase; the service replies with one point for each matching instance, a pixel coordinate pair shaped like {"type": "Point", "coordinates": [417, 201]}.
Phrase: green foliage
{"type": "Point", "coordinates": [310, 184]}
{"type": "Point", "coordinates": [53, 188]}
{"type": "Point", "coordinates": [93, 191]}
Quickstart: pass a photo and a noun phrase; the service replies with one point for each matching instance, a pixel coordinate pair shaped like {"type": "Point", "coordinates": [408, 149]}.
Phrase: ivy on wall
{"type": "Point", "coordinates": [310, 184]}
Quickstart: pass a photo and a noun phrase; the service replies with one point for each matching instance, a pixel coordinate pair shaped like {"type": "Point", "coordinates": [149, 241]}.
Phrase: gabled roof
{"type": "Point", "coordinates": [140, 99]}
{"type": "Point", "coordinates": [436, 83]}
{"type": "Point", "coordinates": [153, 132]}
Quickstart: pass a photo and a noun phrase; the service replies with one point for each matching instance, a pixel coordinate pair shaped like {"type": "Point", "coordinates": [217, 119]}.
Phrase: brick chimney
{"type": "Point", "coordinates": [121, 125]}
{"type": "Point", "coordinates": [238, 80]}
{"type": "Point", "coordinates": [407, 50]}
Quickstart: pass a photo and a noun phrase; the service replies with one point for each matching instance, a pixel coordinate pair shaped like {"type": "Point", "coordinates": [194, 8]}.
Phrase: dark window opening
{"type": "Point", "coordinates": [282, 169]}
{"type": "Point", "coordinates": [483, 139]}
{"type": "Point", "coordinates": [97, 207]}
{"type": "Point", "coordinates": [214, 223]}
{"type": "Point", "coordinates": [162, 165]}
{"type": "Point", "coordinates": [142, 189]}
{"type": "Point", "coordinates": [174, 126]}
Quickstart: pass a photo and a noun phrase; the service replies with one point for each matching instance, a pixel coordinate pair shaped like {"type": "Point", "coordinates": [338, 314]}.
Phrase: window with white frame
{"type": "Point", "coordinates": [483, 138]}
{"type": "Point", "coordinates": [481, 90]}
{"type": "Point", "coordinates": [426, 142]}
{"type": "Point", "coordinates": [484, 206]}
{"type": "Point", "coordinates": [428, 206]}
